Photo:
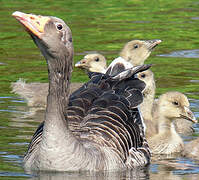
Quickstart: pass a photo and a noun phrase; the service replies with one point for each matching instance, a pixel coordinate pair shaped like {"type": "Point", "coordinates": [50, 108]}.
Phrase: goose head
{"type": "Point", "coordinates": [137, 51]}
{"type": "Point", "coordinates": [51, 35]}
{"type": "Point", "coordinates": [93, 63]}
{"type": "Point", "coordinates": [175, 105]}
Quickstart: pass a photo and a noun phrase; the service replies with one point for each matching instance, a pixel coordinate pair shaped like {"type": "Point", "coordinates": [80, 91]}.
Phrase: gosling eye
{"type": "Point", "coordinates": [97, 59]}
{"type": "Point", "coordinates": [70, 39]}
{"type": "Point", "coordinates": [136, 46]}
{"type": "Point", "coordinates": [175, 103]}
{"type": "Point", "coordinates": [143, 75]}
{"type": "Point", "coordinates": [59, 27]}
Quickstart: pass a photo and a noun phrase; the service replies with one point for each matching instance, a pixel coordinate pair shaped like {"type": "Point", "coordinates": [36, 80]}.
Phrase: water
{"type": "Point", "coordinates": [104, 27]}
{"type": "Point", "coordinates": [183, 54]}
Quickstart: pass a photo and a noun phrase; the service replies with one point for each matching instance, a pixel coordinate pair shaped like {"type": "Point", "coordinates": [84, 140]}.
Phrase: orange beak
{"type": "Point", "coordinates": [33, 23]}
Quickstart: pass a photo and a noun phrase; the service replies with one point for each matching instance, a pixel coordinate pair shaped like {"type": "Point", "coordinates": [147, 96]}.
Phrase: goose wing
{"type": "Point", "coordinates": [111, 117]}
{"type": "Point", "coordinates": [104, 112]}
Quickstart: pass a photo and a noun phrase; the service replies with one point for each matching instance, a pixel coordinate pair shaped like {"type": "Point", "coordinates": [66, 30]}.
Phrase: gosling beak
{"type": "Point", "coordinates": [189, 115]}
{"type": "Point", "coordinates": [33, 24]}
{"type": "Point", "coordinates": [81, 64]}
{"type": "Point", "coordinates": [151, 44]}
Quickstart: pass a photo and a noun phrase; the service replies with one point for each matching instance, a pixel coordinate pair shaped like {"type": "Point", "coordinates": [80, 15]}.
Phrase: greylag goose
{"type": "Point", "coordinates": [93, 63]}
{"type": "Point", "coordinates": [147, 105]}
{"type": "Point", "coordinates": [137, 51]}
{"type": "Point", "coordinates": [110, 134]}
{"type": "Point", "coordinates": [148, 108]}
{"type": "Point", "coordinates": [170, 106]}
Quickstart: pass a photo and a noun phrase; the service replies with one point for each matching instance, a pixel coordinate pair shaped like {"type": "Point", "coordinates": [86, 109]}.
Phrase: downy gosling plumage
{"type": "Point", "coordinates": [170, 106]}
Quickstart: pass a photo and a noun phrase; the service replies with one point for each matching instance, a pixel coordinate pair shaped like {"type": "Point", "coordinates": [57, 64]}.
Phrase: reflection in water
{"type": "Point", "coordinates": [183, 54]}
{"type": "Point", "coordinates": [136, 174]}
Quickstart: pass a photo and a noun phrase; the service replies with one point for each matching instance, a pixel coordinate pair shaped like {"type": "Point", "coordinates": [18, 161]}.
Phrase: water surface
{"type": "Point", "coordinates": [104, 27]}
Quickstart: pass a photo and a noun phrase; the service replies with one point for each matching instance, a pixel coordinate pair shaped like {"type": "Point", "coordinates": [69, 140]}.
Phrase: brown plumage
{"type": "Point", "coordinates": [109, 133]}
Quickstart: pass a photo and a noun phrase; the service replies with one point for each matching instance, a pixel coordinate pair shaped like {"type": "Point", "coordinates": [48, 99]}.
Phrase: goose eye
{"type": "Point", "coordinates": [175, 103]}
{"type": "Point", "coordinates": [143, 75]}
{"type": "Point", "coordinates": [97, 59]}
{"type": "Point", "coordinates": [59, 27]}
{"type": "Point", "coordinates": [136, 46]}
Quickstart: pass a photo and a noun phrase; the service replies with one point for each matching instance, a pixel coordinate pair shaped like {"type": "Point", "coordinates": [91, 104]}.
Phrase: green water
{"type": "Point", "coordinates": [102, 26]}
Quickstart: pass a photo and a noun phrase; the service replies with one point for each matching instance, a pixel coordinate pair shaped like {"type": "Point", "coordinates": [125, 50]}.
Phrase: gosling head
{"type": "Point", "coordinates": [148, 77]}
{"type": "Point", "coordinates": [173, 105]}
{"type": "Point", "coordinates": [137, 51]}
{"type": "Point", "coordinates": [93, 63]}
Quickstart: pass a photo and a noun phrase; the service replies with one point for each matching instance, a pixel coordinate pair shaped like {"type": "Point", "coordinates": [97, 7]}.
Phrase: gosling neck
{"type": "Point", "coordinates": [147, 102]}
{"type": "Point", "coordinates": [165, 125]}
{"type": "Point", "coordinates": [98, 69]}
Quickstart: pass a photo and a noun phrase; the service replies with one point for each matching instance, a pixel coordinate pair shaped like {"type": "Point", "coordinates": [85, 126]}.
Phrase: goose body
{"type": "Point", "coordinates": [99, 127]}
{"type": "Point", "coordinates": [170, 106]}
{"type": "Point", "coordinates": [36, 93]}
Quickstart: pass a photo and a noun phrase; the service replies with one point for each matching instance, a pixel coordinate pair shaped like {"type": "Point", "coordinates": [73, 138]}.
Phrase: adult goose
{"type": "Point", "coordinates": [110, 134]}
{"type": "Point", "coordinates": [170, 106]}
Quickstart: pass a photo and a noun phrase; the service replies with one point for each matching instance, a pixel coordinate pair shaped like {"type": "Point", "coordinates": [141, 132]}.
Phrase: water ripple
{"type": "Point", "coordinates": [183, 54]}
{"type": "Point", "coordinates": [14, 174]}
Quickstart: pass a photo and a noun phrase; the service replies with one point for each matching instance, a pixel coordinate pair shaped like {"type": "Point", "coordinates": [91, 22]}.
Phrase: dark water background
{"type": "Point", "coordinates": [102, 26]}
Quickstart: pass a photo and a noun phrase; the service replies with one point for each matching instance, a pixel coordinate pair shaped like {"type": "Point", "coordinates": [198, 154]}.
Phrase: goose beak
{"type": "Point", "coordinates": [151, 44]}
{"type": "Point", "coordinates": [33, 24]}
{"type": "Point", "coordinates": [189, 115]}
